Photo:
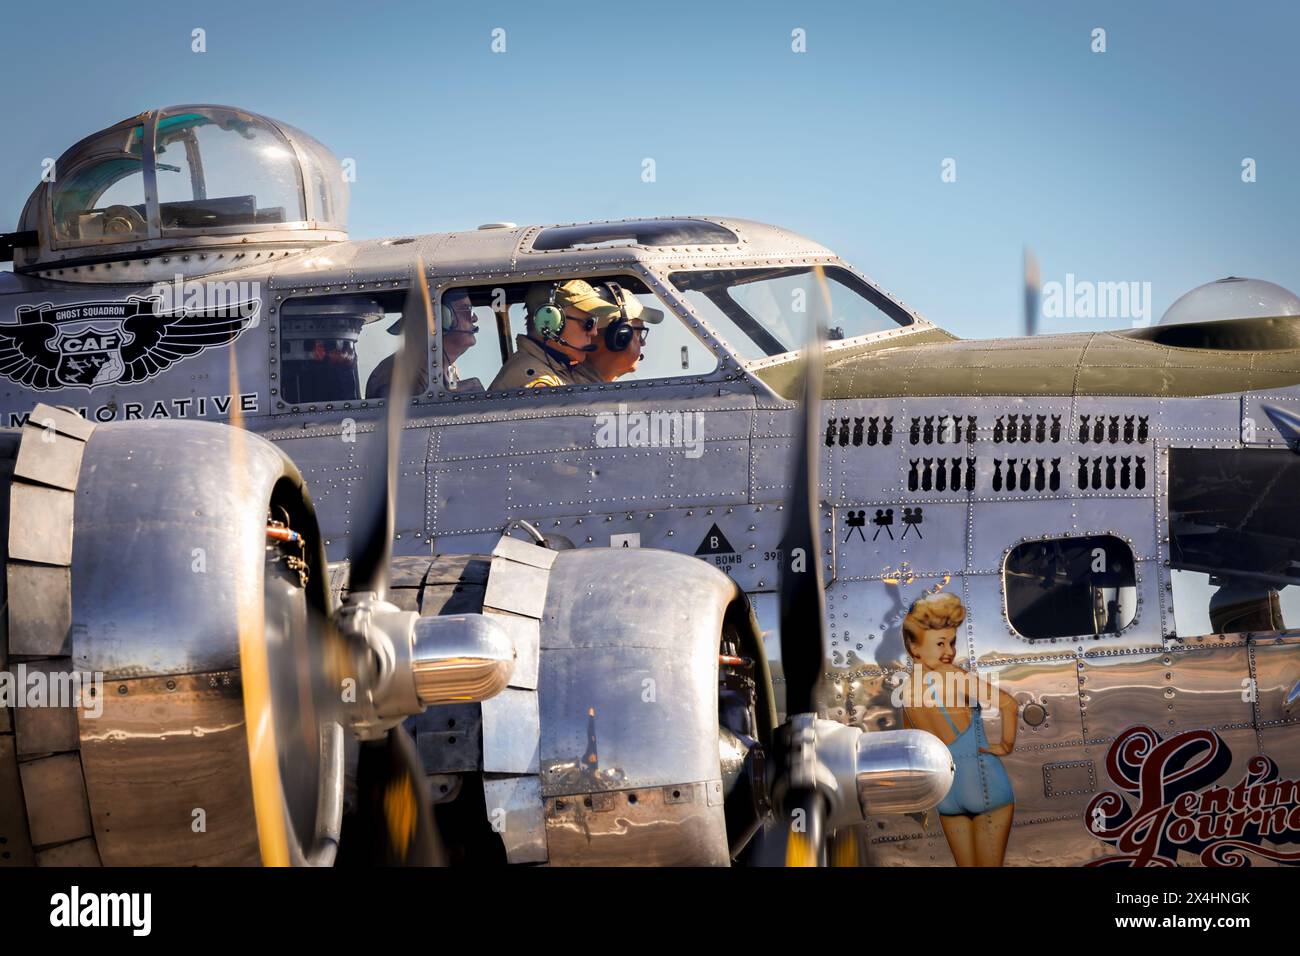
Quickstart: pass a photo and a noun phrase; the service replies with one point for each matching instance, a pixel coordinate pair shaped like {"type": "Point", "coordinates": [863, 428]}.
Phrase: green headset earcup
{"type": "Point", "coordinates": [549, 322]}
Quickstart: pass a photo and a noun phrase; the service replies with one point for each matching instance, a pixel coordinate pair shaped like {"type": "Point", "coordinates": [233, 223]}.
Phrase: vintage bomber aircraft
{"type": "Point", "coordinates": [1105, 519]}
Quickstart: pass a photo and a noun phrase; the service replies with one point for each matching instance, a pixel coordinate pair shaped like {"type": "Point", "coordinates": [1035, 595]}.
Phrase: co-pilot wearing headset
{"type": "Point", "coordinates": [458, 335]}
{"type": "Point", "coordinates": [561, 324]}
{"type": "Point", "coordinates": [620, 338]}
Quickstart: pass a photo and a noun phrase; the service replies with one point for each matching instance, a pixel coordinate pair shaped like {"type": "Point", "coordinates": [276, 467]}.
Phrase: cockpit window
{"type": "Point", "coordinates": [763, 312]}
{"type": "Point", "coordinates": [633, 336]}
{"type": "Point", "coordinates": [1234, 539]}
{"type": "Point", "coordinates": [650, 232]}
{"type": "Point", "coordinates": [341, 348]}
{"type": "Point", "coordinates": [102, 199]}
{"type": "Point", "coordinates": [224, 168]}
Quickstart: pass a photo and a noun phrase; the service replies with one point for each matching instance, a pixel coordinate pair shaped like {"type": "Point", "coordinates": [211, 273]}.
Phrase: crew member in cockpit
{"type": "Point", "coordinates": [459, 331]}
{"type": "Point", "coordinates": [619, 337]}
{"type": "Point", "coordinates": [458, 335]}
{"type": "Point", "coordinates": [561, 323]}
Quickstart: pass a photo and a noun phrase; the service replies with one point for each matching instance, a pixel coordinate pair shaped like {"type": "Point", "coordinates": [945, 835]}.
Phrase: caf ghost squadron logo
{"type": "Point", "coordinates": [89, 344]}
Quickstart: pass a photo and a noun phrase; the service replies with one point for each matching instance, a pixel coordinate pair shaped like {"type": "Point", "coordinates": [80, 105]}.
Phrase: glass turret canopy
{"type": "Point", "coordinates": [185, 177]}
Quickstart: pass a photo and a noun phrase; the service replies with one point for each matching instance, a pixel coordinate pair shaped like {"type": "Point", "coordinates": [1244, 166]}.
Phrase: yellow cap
{"type": "Point", "coordinates": [576, 294]}
{"type": "Point", "coordinates": [635, 310]}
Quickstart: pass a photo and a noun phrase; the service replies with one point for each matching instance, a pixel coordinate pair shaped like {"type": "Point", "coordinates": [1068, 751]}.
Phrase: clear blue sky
{"type": "Point", "coordinates": [1114, 167]}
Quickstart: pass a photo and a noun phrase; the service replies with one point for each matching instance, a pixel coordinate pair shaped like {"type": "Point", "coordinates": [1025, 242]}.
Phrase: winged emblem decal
{"type": "Point", "coordinates": [89, 344]}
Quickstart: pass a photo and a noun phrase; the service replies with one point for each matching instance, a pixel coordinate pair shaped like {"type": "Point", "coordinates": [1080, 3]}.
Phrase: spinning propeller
{"type": "Point", "coordinates": [371, 665]}
{"type": "Point", "coordinates": [828, 775]}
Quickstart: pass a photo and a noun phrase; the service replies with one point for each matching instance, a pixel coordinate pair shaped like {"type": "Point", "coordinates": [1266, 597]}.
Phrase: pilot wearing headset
{"type": "Point", "coordinates": [458, 335]}
{"type": "Point", "coordinates": [561, 323]}
{"type": "Point", "coordinates": [620, 337]}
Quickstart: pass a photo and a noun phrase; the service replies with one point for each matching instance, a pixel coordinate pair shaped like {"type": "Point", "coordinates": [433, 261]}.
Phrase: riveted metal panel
{"type": "Point", "coordinates": [526, 634]}
{"type": "Point", "coordinates": [1000, 525]}
{"type": "Point", "coordinates": [740, 540]}
{"type": "Point", "coordinates": [162, 749]}
{"type": "Point", "coordinates": [718, 475]}
{"type": "Point", "coordinates": [986, 636]}
{"type": "Point", "coordinates": [1210, 681]}
{"type": "Point", "coordinates": [770, 458]}
{"type": "Point", "coordinates": [864, 622]}
{"type": "Point", "coordinates": [510, 732]}
{"type": "Point", "coordinates": [40, 524]}
{"type": "Point", "coordinates": [629, 700]}
{"type": "Point", "coordinates": [912, 840]}
{"type": "Point", "coordinates": [517, 588]}
{"type": "Point", "coordinates": [148, 622]}
{"type": "Point", "coordinates": [1266, 433]}
{"type": "Point", "coordinates": [76, 853]}
{"type": "Point", "coordinates": [1025, 766]}
{"type": "Point", "coordinates": [17, 847]}
{"type": "Point", "coordinates": [877, 539]}
{"type": "Point", "coordinates": [47, 728]}
{"type": "Point", "coordinates": [661, 826]}
{"type": "Point", "coordinates": [40, 609]}
{"type": "Point", "coordinates": [524, 552]}
{"type": "Point", "coordinates": [471, 497]}
{"type": "Point", "coordinates": [1069, 778]}
{"type": "Point", "coordinates": [523, 433]}
{"type": "Point", "coordinates": [1134, 520]}
{"type": "Point", "coordinates": [547, 484]}
{"type": "Point", "coordinates": [1282, 744]}
{"type": "Point", "coordinates": [519, 801]}
{"type": "Point", "coordinates": [1117, 692]}
{"type": "Point", "coordinates": [1276, 670]}
{"type": "Point", "coordinates": [1053, 685]}
{"type": "Point", "coordinates": [61, 420]}
{"type": "Point", "coordinates": [55, 796]}
{"type": "Point", "coordinates": [1053, 840]}
{"type": "Point", "coordinates": [49, 458]}
{"type": "Point", "coordinates": [603, 480]}
{"type": "Point", "coordinates": [449, 738]}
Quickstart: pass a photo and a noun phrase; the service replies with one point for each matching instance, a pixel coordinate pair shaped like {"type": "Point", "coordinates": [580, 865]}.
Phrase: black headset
{"type": "Point", "coordinates": [619, 333]}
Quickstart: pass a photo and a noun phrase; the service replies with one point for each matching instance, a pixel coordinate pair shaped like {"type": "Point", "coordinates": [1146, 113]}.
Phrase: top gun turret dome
{"type": "Point", "coordinates": [230, 186]}
{"type": "Point", "coordinates": [1231, 298]}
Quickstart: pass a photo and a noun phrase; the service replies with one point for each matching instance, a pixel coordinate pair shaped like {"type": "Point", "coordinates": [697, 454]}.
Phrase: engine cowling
{"type": "Point", "coordinates": [136, 569]}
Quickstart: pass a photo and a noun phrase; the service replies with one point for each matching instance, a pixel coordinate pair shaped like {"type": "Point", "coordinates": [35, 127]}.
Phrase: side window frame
{"type": "Point", "coordinates": [394, 291]}
{"type": "Point", "coordinates": [674, 310]}
{"type": "Point", "coordinates": [1133, 563]}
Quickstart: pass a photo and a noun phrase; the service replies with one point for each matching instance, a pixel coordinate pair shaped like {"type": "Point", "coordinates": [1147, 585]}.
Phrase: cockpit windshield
{"type": "Point", "coordinates": [762, 312]}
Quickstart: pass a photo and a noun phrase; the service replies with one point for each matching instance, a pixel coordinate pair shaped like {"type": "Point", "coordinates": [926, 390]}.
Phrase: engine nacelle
{"type": "Point", "coordinates": [135, 568]}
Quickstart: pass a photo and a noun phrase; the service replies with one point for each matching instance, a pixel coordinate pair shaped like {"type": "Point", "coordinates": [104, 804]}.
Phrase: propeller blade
{"type": "Point", "coordinates": [797, 837]}
{"type": "Point", "coordinates": [803, 622]}
{"type": "Point", "coordinates": [805, 838]}
{"type": "Point", "coordinates": [1032, 286]}
{"type": "Point", "coordinates": [393, 824]}
{"type": "Point", "coordinates": [372, 544]}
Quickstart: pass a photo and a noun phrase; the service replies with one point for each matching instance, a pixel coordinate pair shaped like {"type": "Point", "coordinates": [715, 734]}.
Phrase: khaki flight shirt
{"type": "Point", "coordinates": [532, 366]}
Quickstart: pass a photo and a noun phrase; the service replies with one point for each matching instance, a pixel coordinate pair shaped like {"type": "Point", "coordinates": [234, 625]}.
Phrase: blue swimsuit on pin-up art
{"type": "Point", "coordinates": [980, 783]}
{"type": "Point", "coordinates": [977, 812]}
